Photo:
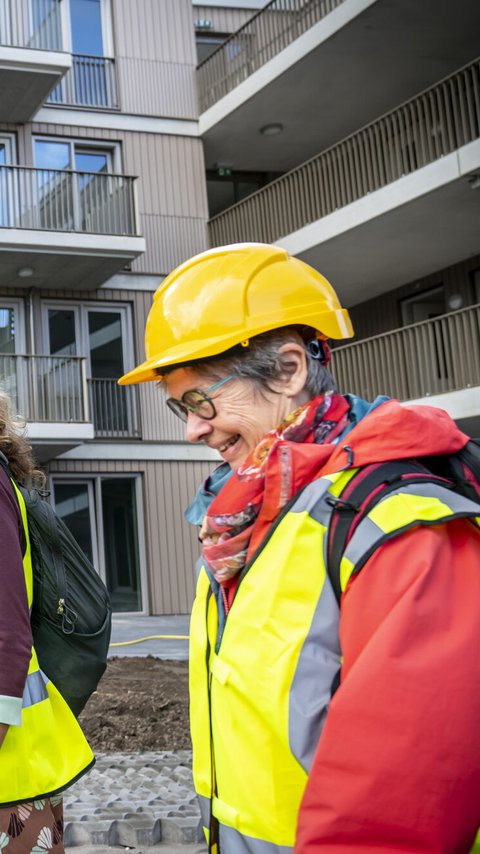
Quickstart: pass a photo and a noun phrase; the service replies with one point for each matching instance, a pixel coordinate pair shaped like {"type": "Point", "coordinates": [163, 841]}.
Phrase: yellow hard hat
{"type": "Point", "coordinates": [227, 295]}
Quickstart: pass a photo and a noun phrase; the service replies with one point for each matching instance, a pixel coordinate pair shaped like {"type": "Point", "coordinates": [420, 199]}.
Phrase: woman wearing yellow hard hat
{"type": "Point", "coordinates": [318, 692]}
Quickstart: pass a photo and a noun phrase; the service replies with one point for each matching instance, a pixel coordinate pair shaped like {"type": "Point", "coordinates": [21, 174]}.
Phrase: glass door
{"type": "Point", "coordinates": [95, 194]}
{"type": "Point", "coordinates": [75, 505]}
{"type": "Point", "coordinates": [120, 541]}
{"type": "Point", "coordinates": [103, 515]}
{"type": "Point", "coordinates": [89, 68]}
{"type": "Point", "coordinates": [6, 182]}
{"type": "Point", "coordinates": [12, 380]}
{"type": "Point", "coordinates": [62, 374]}
{"type": "Point", "coordinates": [5, 24]}
{"type": "Point", "coordinates": [112, 405]}
{"type": "Point", "coordinates": [55, 202]}
{"type": "Point", "coordinates": [70, 201]}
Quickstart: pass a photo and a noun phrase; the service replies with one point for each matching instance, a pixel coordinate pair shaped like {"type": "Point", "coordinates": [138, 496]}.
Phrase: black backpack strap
{"type": "Point", "coordinates": [366, 488]}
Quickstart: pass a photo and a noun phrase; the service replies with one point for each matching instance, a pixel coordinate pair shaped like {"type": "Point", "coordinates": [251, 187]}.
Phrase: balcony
{"type": "Point", "coordinates": [114, 409]}
{"type": "Point", "coordinates": [50, 393]}
{"type": "Point", "coordinates": [66, 229]}
{"type": "Point", "coordinates": [385, 205]}
{"type": "Point", "coordinates": [31, 59]}
{"type": "Point", "coordinates": [317, 68]}
{"type": "Point", "coordinates": [91, 83]}
{"type": "Point", "coordinates": [436, 361]}
{"type": "Point", "coordinates": [267, 33]}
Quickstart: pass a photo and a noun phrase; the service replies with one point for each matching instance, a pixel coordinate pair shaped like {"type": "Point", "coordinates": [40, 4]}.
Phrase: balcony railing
{"type": "Point", "coordinates": [433, 124]}
{"type": "Point", "coordinates": [114, 409]}
{"type": "Point", "coordinates": [431, 357]}
{"type": "Point", "coordinates": [92, 82]}
{"type": "Point", "coordinates": [264, 35]}
{"type": "Point", "coordinates": [46, 388]}
{"type": "Point", "coordinates": [33, 24]}
{"type": "Point", "coordinates": [62, 200]}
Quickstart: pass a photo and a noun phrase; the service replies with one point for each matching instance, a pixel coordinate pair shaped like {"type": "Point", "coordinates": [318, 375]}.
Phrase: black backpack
{"type": "Point", "coordinates": [71, 612]}
{"type": "Point", "coordinates": [459, 472]}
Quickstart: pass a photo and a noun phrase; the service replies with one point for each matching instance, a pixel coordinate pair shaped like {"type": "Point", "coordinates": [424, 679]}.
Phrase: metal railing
{"type": "Point", "coordinates": [63, 200]}
{"type": "Point", "coordinates": [264, 35]}
{"type": "Point", "coordinates": [34, 24]}
{"type": "Point", "coordinates": [91, 82]}
{"type": "Point", "coordinates": [46, 388]}
{"type": "Point", "coordinates": [426, 358]}
{"type": "Point", "coordinates": [114, 409]}
{"type": "Point", "coordinates": [433, 124]}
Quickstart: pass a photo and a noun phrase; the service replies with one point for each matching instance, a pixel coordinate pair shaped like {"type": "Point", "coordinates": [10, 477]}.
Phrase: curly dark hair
{"type": "Point", "coordinates": [14, 445]}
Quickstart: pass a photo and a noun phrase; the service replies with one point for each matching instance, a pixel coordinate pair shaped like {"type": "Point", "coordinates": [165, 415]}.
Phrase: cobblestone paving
{"type": "Point", "coordinates": [134, 800]}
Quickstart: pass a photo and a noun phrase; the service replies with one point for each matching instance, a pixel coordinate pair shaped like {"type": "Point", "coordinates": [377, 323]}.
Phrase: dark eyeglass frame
{"type": "Point", "coordinates": [182, 407]}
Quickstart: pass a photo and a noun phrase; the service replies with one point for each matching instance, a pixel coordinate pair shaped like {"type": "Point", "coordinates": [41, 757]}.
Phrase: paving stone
{"type": "Point", "coordinates": [134, 801]}
{"type": "Point", "coordinates": [181, 830]}
{"type": "Point", "coordinates": [93, 832]}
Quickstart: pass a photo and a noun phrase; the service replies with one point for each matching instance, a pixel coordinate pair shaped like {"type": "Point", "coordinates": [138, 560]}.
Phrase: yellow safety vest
{"type": "Point", "coordinates": [261, 684]}
{"type": "Point", "coordinates": [48, 751]}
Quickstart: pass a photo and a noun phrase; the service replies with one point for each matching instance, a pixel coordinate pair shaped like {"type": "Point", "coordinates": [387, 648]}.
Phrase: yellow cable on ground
{"type": "Point", "coordinates": [151, 637]}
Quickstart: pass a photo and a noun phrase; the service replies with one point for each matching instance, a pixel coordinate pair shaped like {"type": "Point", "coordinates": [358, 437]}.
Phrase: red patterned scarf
{"type": "Point", "coordinates": [287, 458]}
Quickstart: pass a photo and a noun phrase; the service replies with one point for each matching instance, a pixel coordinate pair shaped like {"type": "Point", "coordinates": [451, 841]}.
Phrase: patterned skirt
{"type": "Point", "coordinates": [32, 828]}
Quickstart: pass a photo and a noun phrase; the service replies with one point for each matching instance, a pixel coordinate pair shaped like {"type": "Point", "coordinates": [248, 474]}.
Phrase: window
{"type": "Point", "coordinates": [102, 333]}
{"type": "Point", "coordinates": [103, 513]}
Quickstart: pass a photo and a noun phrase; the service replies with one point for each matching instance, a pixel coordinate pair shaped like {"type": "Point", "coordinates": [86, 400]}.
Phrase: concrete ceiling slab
{"type": "Point", "coordinates": [385, 55]}
{"type": "Point", "coordinates": [430, 233]}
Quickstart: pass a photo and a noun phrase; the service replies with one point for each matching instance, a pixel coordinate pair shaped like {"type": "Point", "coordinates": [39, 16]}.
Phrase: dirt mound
{"type": "Point", "coordinates": [140, 704]}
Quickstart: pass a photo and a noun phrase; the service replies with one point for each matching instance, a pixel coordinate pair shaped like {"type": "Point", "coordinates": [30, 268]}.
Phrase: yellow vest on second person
{"type": "Point", "coordinates": [260, 689]}
{"type": "Point", "coordinates": [48, 751]}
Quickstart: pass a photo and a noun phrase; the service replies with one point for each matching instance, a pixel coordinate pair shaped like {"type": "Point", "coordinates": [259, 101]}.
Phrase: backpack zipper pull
{"type": "Point", "coordinates": [69, 617]}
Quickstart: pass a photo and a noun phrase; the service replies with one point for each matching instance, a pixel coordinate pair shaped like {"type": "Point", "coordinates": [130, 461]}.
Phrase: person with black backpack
{"type": "Point", "coordinates": [43, 749]}
{"type": "Point", "coordinates": [335, 634]}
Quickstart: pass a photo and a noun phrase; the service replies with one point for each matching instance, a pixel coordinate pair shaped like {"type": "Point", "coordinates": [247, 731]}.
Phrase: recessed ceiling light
{"type": "Point", "coordinates": [25, 272]}
{"type": "Point", "coordinates": [271, 130]}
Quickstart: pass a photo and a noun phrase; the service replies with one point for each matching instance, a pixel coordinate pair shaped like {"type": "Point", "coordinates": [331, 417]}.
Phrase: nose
{"type": "Point", "coordinates": [197, 428]}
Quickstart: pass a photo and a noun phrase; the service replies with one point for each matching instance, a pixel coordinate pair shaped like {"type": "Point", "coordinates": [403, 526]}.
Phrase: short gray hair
{"type": "Point", "coordinates": [263, 363]}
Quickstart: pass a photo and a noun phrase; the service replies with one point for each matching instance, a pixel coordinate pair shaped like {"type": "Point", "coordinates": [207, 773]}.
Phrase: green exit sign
{"type": "Point", "coordinates": [224, 171]}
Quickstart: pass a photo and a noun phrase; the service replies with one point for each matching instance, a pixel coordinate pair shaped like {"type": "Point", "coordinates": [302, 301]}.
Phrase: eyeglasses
{"type": "Point", "coordinates": [196, 401]}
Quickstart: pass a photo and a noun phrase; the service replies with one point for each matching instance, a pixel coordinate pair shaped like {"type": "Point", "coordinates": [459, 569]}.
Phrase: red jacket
{"type": "Point", "coordinates": [398, 764]}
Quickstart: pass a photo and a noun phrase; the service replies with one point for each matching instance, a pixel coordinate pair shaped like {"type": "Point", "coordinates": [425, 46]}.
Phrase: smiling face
{"type": "Point", "coordinates": [244, 414]}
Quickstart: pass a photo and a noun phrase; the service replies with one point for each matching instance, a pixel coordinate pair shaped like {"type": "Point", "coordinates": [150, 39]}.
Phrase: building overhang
{"type": "Point", "coordinates": [49, 439]}
{"type": "Point", "coordinates": [326, 83]}
{"type": "Point", "coordinates": [425, 221]}
{"type": "Point", "coordinates": [26, 79]}
{"type": "Point", "coordinates": [68, 260]}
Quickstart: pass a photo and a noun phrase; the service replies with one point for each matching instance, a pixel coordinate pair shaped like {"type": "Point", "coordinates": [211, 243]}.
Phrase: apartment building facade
{"type": "Point", "coordinates": [345, 130]}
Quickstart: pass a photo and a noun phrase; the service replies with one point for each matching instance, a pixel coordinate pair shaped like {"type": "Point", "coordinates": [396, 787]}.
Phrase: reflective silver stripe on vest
{"type": "Point", "coordinates": [35, 690]}
{"type": "Point", "coordinates": [369, 535]}
{"type": "Point", "coordinates": [233, 842]}
{"type": "Point", "coordinates": [312, 500]}
{"type": "Point", "coordinates": [204, 804]}
{"type": "Point", "coordinates": [310, 693]}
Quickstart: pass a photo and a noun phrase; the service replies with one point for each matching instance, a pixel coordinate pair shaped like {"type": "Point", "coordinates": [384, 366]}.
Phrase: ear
{"type": "Point", "coordinates": [295, 377]}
